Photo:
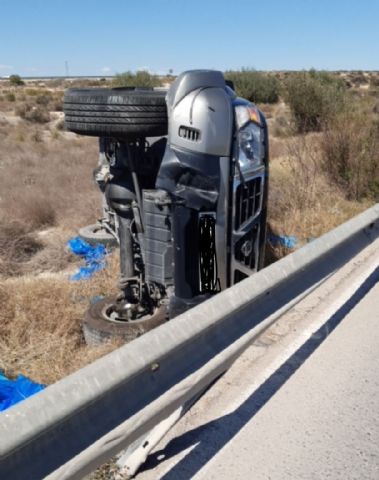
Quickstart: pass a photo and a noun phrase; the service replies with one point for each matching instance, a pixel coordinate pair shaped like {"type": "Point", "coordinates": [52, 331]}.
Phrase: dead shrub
{"type": "Point", "coordinates": [43, 99]}
{"type": "Point", "coordinates": [17, 246]}
{"type": "Point", "coordinates": [56, 103]}
{"type": "Point", "coordinates": [55, 134]}
{"type": "Point", "coordinates": [33, 113]}
{"type": "Point", "coordinates": [282, 126]}
{"type": "Point", "coordinates": [23, 251]}
{"type": "Point", "coordinates": [60, 125]}
{"type": "Point", "coordinates": [303, 199]}
{"type": "Point", "coordinates": [52, 258]}
{"type": "Point", "coordinates": [358, 78]}
{"type": "Point", "coordinates": [350, 151]}
{"type": "Point", "coordinates": [10, 97]}
{"type": "Point", "coordinates": [296, 186]}
{"type": "Point", "coordinates": [374, 81]}
{"type": "Point", "coordinates": [375, 108]}
{"type": "Point", "coordinates": [36, 136]}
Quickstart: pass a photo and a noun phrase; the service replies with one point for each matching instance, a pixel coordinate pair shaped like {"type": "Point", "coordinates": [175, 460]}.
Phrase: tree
{"type": "Point", "coordinates": [16, 80]}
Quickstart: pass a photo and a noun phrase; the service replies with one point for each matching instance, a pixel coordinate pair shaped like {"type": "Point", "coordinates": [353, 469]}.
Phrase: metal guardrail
{"type": "Point", "coordinates": [67, 430]}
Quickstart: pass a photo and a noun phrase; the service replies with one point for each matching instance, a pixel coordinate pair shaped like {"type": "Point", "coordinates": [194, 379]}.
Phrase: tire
{"type": "Point", "coordinates": [95, 234]}
{"type": "Point", "coordinates": [118, 112]}
{"type": "Point", "coordinates": [97, 328]}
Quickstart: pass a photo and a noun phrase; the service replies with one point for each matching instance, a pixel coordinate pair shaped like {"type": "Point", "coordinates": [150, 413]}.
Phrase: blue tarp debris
{"type": "Point", "coordinates": [94, 257]}
{"type": "Point", "coordinates": [13, 391]}
{"type": "Point", "coordinates": [283, 240]}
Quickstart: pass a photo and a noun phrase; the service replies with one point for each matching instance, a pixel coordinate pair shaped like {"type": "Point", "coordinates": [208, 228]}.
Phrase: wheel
{"type": "Point", "coordinates": [99, 327]}
{"type": "Point", "coordinates": [95, 234]}
{"type": "Point", "coordinates": [118, 112]}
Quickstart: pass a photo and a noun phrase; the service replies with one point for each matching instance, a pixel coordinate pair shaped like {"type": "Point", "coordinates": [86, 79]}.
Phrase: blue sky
{"type": "Point", "coordinates": [109, 36]}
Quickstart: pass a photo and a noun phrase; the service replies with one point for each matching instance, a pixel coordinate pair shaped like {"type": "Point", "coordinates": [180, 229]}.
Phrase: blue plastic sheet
{"type": "Point", "coordinates": [14, 391]}
{"type": "Point", "coordinates": [283, 240]}
{"type": "Point", "coordinates": [94, 257]}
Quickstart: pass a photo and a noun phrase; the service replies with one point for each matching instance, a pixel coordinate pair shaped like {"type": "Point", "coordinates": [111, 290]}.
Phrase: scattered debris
{"type": "Point", "coordinates": [14, 391]}
{"type": "Point", "coordinates": [283, 241]}
{"type": "Point", "coordinates": [94, 257]}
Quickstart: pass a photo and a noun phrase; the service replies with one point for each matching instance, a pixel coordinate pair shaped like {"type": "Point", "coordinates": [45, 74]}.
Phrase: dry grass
{"type": "Point", "coordinates": [43, 184]}
{"type": "Point", "coordinates": [47, 181]}
{"type": "Point", "coordinates": [350, 149]}
{"type": "Point", "coordinates": [53, 257]}
{"type": "Point", "coordinates": [40, 334]}
{"type": "Point", "coordinates": [46, 193]}
{"type": "Point", "coordinates": [33, 113]}
{"type": "Point", "coordinates": [17, 246]}
{"type": "Point", "coordinates": [278, 148]}
{"type": "Point", "coordinates": [303, 200]}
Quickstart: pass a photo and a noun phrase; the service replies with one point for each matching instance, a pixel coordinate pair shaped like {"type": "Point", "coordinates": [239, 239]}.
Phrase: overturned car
{"type": "Point", "coordinates": [188, 184]}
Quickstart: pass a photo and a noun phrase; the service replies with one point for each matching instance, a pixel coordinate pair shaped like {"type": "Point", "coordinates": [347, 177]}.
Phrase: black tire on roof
{"type": "Point", "coordinates": [117, 112]}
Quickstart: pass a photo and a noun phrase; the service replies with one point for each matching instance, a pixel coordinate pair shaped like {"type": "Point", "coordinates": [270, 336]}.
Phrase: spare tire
{"type": "Point", "coordinates": [96, 234]}
{"type": "Point", "coordinates": [117, 112]}
{"type": "Point", "coordinates": [98, 327]}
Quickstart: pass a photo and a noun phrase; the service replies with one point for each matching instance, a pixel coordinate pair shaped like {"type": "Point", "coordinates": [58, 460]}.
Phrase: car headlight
{"type": "Point", "coordinates": [245, 114]}
{"type": "Point", "coordinates": [251, 149]}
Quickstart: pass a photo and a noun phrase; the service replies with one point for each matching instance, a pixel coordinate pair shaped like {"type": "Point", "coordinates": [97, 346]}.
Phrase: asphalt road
{"type": "Point", "coordinates": [301, 403]}
{"type": "Point", "coordinates": [323, 423]}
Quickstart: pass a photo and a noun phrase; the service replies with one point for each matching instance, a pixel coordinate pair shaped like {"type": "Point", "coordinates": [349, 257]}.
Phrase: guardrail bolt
{"type": "Point", "coordinates": [154, 367]}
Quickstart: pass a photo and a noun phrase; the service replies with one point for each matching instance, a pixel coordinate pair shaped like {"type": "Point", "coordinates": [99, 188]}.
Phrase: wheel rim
{"type": "Point", "coordinates": [110, 314]}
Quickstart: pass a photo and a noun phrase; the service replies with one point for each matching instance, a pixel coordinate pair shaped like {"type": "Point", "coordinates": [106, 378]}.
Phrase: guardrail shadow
{"type": "Point", "coordinates": [211, 437]}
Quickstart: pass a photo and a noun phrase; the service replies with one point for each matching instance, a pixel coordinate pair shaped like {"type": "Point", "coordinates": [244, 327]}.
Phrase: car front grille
{"type": "Point", "coordinates": [247, 201]}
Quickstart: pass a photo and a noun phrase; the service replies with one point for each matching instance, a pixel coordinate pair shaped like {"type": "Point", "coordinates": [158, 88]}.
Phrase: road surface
{"type": "Point", "coordinates": [324, 422]}
{"type": "Point", "coordinates": [301, 403]}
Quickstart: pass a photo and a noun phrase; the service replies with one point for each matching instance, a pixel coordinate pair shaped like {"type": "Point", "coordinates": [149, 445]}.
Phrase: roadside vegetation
{"type": "Point", "coordinates": [314, 98]}
{"type": "Point", "coordinates": [16, 80]}
{"type": "Point", "coordinates": [255, 86]}
{"type": "Point", "coordinates": [141, 78]}
{"type": "Point", "coordinates": [327, 169]}
{"type": "Point", "coordinates": [324, 143]}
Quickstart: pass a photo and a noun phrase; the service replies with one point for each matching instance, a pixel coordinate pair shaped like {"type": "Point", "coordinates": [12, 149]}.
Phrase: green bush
{"type": "Point", "coordinates": [138, 79]}
{"type": "Point", "coordinates": [314, 98]}
{"type": "Point", "coordinates": [254, 86]}
{"type": "Point", "coordinates": [16, 80]}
